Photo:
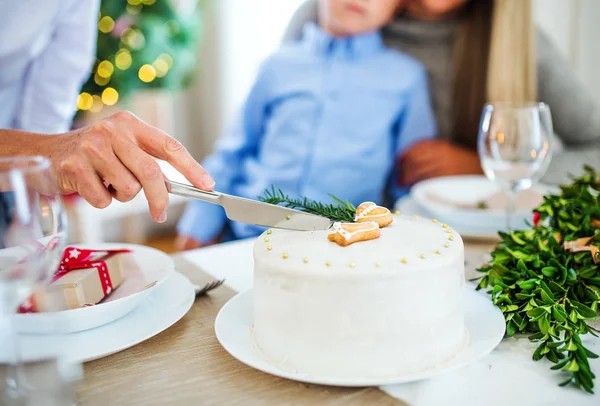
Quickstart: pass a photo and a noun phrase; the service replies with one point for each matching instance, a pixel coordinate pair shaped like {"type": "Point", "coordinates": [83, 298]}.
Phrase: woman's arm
{"type": "Point", "coordinates": [575, 114]}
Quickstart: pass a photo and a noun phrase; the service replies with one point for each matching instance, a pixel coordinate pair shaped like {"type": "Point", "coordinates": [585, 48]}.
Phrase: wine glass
{"type": "Point", "coordinates": [32, 238]}
{"type": "Point", "coordinates": [515, 146]}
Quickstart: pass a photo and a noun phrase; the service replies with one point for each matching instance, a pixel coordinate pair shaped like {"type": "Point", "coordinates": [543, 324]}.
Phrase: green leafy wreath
{"type": "Point", "coordinates": [546, 280]}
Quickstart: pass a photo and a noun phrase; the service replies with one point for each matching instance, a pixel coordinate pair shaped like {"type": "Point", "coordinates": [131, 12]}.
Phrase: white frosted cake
{"type": "Point", "coordinates": [374, 309]}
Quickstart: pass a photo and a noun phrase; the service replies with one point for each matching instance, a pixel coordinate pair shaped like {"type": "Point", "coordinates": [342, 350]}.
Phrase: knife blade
{"type": "Point", "coordinates": [253, 211]}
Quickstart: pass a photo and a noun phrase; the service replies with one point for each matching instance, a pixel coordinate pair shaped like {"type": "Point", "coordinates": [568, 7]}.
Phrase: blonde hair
{"type": "Point", "coordinates": [494, 60]}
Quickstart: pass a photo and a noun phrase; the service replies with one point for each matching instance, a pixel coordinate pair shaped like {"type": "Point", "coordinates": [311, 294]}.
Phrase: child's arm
{"type": "Point", "coordinates": [204, 221]}
{"type": "Point", "coordinates": [416, 123]}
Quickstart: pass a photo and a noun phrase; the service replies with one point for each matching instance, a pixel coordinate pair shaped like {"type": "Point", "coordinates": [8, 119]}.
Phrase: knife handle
{"type": "Point", "coordinates": [181, 189]}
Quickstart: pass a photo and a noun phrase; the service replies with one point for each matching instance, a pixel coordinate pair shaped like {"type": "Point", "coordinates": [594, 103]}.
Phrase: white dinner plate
{"type": "Point", "coordinates": [407, 205]}
{"type": "Point", "coordinates": [443, 196]}
{"type": "Point", "coordinates": [484, 323]}
{"type": "Point", "coordinates": [143, 272]}
{"type": "Point", "coordinates": [157, 312]}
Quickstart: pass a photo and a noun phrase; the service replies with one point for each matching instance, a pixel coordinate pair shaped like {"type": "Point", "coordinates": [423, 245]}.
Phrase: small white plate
{"type": "Point", "coordinates": [484, 323]}
{"type": "Point", "coordinates": [407, 205]}
{"type": "Point", "coordinates": [467, 190]}
{"type": "Point", "coordinates": [157, 312]}
{"type": "Point", "coordinates": [145, 267]}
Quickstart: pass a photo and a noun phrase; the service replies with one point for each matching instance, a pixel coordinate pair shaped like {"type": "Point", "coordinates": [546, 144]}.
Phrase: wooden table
{"type": "Point", "coordinates": [186, 365]}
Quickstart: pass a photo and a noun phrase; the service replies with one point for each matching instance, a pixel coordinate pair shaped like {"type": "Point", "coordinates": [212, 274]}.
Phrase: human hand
{"type": "Point", "coordinates": [185, 243]}
{"type": "Point", "coordinates": [118, 152]}
{"type": "Point", "coordinates": [435, 158]}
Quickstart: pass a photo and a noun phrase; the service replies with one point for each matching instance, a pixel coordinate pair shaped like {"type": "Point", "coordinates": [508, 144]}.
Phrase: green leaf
{"type": "Point", "coordinates": [515, 237]}
{"type": "Point", "coordinates": [536, 313]}
{"type": "Point", "coordinates": [584, 310]}
{"type": "Point", "coordinates": [544, 324]}
{"type": "Point", "coordinates": [555, 287]}
{"type": "Point", "coordinates": [559, 313]}
{"type": "Point", "coordinates": [570, 346]}
{"type": "Point", "coordinates": [590, 354]}
{"type": "Point", "coordinates": [573, 316]}
{"type": "Point", "coordinates": [546, 288]}
{"type": "Point", "coordinates": [560, 365]}
{"type": "Point", "coordinates": [511, 329]}
{"type": "Point", "coordinates": [521, 266]}
{"type": "Point", "coordinates": [537, 355]}
{"type": "Point", "coordinates": [549, 271]}
{"type": "Point", "coordinates": [571, 366]}
{"type": "Point", "coordinates": [535, 337]}
{"type": "Point", "coordinates": [528, 284]}
{"type": "Point", "coordinates": [547, 298]}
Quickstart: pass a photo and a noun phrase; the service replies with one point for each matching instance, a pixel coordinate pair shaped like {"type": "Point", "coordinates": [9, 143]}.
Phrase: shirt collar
{"type": "Point", "coordinates": [350, 47]}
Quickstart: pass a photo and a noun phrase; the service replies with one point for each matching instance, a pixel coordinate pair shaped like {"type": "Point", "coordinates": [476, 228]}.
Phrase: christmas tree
{"type": "Point", "coordinates": [142, 44]}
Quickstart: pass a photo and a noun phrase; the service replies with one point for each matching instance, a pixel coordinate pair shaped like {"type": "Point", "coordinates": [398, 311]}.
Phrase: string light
{"type": "Point", "coordinates": [106, 24]}
{"type": "Point", "coordinates": [84, 101]}
{"type": "Point", "coordinates": [147, 73]}
{"type": "Point", "coordinates": [123, 59]}
{"type": "Point", "coordinates": [105, 69]}
{"type": "Point", "coordinates": [110, 96]}
{"type": "Point", "coordinates": [96, 104]}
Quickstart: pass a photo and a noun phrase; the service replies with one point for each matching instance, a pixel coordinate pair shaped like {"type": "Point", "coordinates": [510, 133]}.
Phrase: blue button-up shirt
{"type": "Point", "coordinates": [326, 115]}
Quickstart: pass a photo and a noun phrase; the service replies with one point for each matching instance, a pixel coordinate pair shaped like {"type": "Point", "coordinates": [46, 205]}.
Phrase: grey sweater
{"type": "Point", "coordinates": [575, 116]}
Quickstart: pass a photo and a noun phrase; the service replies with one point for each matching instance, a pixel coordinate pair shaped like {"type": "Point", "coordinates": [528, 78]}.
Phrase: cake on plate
{"type": "Point", "coordinates": [329, 304]}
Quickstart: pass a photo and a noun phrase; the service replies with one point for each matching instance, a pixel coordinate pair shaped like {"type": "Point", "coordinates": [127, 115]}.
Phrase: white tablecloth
{"type": "Point", "coordinates": [507, 376]}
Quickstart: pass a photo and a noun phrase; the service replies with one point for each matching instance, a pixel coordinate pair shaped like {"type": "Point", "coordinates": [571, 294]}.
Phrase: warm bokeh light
{"type": "Point", "coordinates": [167, 58]}
{"type": "Point", "coordinates": [123, 59]}
{"type": "Point", "coordinates": [105, 69]}
{"type": "Point", "coordinates": [133, 38]}
{"type": "Point", "coordinates": [161, 67]}
{"type": "Point", "coordinates": [133, 9]}
{"type": "Point", "coordinates": [100, 81]}
{"type": "Point", "coordinates": [147, 73]}
{"type": "Point", "coordinates": [84, 101]}
{"type": "Point", "coordinates": [97, 104]}
{"type": "Point", "coordinates": [106, 24]}
{"type": "Point", "coordinates": [134, 2]}
{"type": "Point", "coordinates": [110, 96]}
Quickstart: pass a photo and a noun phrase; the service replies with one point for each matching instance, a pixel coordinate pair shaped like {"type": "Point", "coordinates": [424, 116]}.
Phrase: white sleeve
{"type": "Point", "coordinates": [55, 77]}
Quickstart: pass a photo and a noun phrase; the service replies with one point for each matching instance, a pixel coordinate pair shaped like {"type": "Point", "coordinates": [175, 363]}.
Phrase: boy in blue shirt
{"type": "Point", "coordinates": [328, 114]}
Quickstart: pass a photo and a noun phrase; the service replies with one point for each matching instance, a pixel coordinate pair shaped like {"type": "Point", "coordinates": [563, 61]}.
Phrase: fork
{"type": "Point", "coordinates": [201, 291]}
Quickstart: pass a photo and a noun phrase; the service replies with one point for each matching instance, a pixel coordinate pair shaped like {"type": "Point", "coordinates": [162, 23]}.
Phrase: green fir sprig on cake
{"type": "Point", "coordinates": [546, 279]}
{"type": "Point", "coordinates": [338, 211]}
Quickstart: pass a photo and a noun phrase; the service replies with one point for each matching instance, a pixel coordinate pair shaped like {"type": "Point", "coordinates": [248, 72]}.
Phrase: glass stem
{"type": "Point", "coordinates": [510, 209]}
{"type": "Point", "coordinates": [15, 372]}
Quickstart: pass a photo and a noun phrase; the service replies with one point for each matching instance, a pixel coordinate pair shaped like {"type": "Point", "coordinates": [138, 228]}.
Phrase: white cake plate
{"type": "Point", "coordinates": [168, 303]}
{"type": "Point", "coordinates": [484, 323]}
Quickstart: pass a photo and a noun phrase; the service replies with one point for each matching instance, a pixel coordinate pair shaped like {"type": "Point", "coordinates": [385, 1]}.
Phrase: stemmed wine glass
{"type": "Point", "coordinates": [32, 238]}
{"type": "Point", "coordinates": [514, 146]}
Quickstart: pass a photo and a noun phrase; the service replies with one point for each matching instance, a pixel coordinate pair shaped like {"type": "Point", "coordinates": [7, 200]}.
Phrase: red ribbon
{"type": "Point", "coordinates": [76, 258]}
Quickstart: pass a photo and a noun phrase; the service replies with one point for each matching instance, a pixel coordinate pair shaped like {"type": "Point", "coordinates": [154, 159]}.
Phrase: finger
{"type": "Point", "coordinates": [160, 145]}
{"type": "Point", "coordinates": [90, 187]}
{"type": "Point", "coordinates": [123, 183]}
{"type": "Point", "coordinates": [148, 174]}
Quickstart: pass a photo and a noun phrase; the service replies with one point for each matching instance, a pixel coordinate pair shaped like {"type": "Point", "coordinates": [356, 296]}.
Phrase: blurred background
{"type": "Point", "coordinates": [185, 66]}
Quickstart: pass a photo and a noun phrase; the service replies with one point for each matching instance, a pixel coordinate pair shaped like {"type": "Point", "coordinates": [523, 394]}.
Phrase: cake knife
{"type": "Point", "coordinates": [252, 211]}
